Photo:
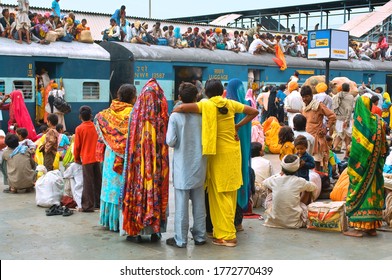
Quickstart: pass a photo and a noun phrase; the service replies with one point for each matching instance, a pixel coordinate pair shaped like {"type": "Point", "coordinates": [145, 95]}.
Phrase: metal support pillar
{"type": "Point", "coordinates": [321, 18]}
{"type": "Point", "coordinates": [299, 21]}
{"type": "Point", "coordinates": [279, 21]}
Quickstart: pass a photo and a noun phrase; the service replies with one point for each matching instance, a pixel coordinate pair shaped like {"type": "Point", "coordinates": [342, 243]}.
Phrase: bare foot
{"type": "Point", "coordinates": [28, 42]}
{"type": "Point", "coordinates": [353, 233]}
{"type": "Point", "coordinates": [19, 42]}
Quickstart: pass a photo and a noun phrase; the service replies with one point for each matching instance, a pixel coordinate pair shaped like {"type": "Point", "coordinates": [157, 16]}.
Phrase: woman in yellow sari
{"type": "Point", "coordinates": [112, 129]}
{"type": "Point", "coordinates": [221, 145]}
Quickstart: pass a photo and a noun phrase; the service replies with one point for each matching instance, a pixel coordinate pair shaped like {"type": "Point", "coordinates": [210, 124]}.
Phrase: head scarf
{"type": "Point", "coordinates": [290, 167]}
{"type": "Point", "coordinates": [146, 171]}
{"type": "Point", "coordinates": [236, 91]}
{"type": "Point", "coordinates": [250, 97]}
{"type": "Point", "coordinates": [20, 114]}
{"type": "Point", "coordinates": [293, 85]}
{"type": "Point", "coordinates": [177, 33]}
{"type": "Point", "coordinates": [321, 87]}
{"type": "Point", "coordinates": [112, 127]}
{"type": "Point", "coordinates": [54, 85]}
{"type": "Point", "coordinates": [218, 30]}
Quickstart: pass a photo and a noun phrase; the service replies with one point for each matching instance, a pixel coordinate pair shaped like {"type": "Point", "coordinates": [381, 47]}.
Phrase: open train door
{"type": "Point", "coordinates": [186, 74]}
{"type": "Point", "coordinates": [121, 66]}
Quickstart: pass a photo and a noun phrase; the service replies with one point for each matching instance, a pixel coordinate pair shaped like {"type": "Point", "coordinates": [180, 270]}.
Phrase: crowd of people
{"type": "Point", "coordinates": [23, 25]}
{"type": "Point", "coordinates": [218, 139]}
{"type": "Point", "coordinates": [49, 27]}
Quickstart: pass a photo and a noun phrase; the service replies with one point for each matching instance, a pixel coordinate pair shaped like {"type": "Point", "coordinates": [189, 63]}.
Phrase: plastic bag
{"type": "Point", "coordinates": [49, 189]}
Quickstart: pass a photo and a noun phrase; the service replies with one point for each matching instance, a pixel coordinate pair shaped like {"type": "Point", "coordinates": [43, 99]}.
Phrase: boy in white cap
{"type": "Point", "coordinates": [286, 210]}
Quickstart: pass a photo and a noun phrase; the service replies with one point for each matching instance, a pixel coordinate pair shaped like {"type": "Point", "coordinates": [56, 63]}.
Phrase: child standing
{"type": "Point", "coordinates": [86, 139]}
{"type": "Point", "coordinates": [189, 171]}
{"type": "Point", "coordinates": [63, 141]}
{"type": "Point", "coordinates": [286, 210]}
{"type": "Point", "coordinates": [306, 160]}
{"type": "Point", "coordinates": [286, 139]}
{"type": "Point", "coordinates": [49, 148]}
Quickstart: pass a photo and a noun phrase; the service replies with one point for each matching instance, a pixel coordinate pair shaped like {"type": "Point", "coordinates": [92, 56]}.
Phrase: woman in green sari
{"type": "Point", "coordinates": [365, 197]}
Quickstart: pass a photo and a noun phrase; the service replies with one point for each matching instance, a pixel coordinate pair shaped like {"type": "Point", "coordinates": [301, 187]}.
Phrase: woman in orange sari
{"type": "Point", "coordinates": [112, 129]}
{"type": "Point", "coordinates": [146, 190]}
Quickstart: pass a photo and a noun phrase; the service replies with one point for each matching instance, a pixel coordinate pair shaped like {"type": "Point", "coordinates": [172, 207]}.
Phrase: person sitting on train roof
{"type": "Point", "coordinates": [124, 28]}
{"type": "Point", "coordinates": [112, 33]}
{"type": "Point", "coordinates": [118, 14]}
{"type": "Point", "coordinates": [257, 46]}
{"type": "Point", "coordinates": [137, 34]}
{"type": "Point", "coordinates": [156, 31]}
{"type": "Point", "coordinates": [187, 33]}
{"type": "Point", "coordinates": [51, 23]}
{"type": "Point", "coordinates": [239, 42]}
{"type": "Point", "coordinates": [252, 32]}
{"type": "Point", "coordinates": [23, 23]}
{"type": "Point", "coordinates": [81, 27]}
{"type": "Point", "coordinates": [40, 31]}
{"type": "Point", "coordinates": [219, 39]}
{"type": "Point", "coordinates": [205, 43]}
{"type": "Point", "coordinates": [5, 23]}
{"type": "Point", "coordinates": [301, 51]}
{"type": "Point", "coordinates": [169, 35]}
{"type": "Point", "coordinates": [194, 39]}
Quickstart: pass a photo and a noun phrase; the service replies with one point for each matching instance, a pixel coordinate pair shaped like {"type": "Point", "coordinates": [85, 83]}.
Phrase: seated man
{"type": "Point", "coordinates": [137, 34]}
{"type": "Point", "coordinates": [112, 33]}
{"type": "Point", "coordinates": [5, 24]}
{"type": "Point", "coordinates": [286, 210]}
{"type": "Point", "coordinates": [20, 165]}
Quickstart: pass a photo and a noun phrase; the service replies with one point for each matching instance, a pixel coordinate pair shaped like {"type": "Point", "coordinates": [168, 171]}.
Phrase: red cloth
{"type": "Point", "coordinates": [20, 115]}
{"type": "Point", "coordinates": [376, 110]}
{"type": "Point", "coordinates": [85, 144]}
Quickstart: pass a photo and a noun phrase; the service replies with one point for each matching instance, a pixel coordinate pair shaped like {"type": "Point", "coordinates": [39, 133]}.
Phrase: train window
{"type": "Point", "coordinates": [2, 87]}
{"type": "Point", "coordinates": [26, 87]}
{"type": "Point", "coordinates": [90, 90]}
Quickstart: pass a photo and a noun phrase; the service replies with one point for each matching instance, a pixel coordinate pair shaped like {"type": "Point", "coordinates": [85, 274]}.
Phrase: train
{"type": "Point", "coordinates": [92, 73]}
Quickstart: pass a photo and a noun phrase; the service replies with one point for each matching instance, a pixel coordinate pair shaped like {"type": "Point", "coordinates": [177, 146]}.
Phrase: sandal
{"type": "Point", "coordinates": [51, 208]}
{"type": "Point", "coordinates": [134, 238]}
{"type": "Point", "coordinates": [10, 190]}
{"type": "Point", "coordinates": [55, 211]}
{"type": "Point", "coordinates": [67, 212]}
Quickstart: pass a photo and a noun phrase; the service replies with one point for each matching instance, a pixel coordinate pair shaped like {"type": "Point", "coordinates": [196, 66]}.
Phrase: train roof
{"type": "Point", "coordinates": [164, 53]}
{"type": "Point", "coordinates": [74, 50]}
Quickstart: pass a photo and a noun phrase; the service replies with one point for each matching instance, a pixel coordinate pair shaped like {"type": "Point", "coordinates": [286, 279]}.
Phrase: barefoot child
{"type": "Point", "coordinates": [189, 171]}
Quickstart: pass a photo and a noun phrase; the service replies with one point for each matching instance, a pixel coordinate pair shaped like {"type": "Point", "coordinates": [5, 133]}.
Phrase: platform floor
{"type": "Point", "coordinates": [28, 234]}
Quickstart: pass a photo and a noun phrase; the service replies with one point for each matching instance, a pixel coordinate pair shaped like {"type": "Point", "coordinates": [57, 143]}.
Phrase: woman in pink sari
{"type": "Point", "coordinates": [19, 115]}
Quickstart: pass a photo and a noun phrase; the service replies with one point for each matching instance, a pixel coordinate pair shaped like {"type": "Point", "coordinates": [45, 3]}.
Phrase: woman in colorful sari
{"type": "Point", "coordinates": [236, 91]}
{"type": "Point", "coordinates": [146, 190]}
{"type": "Point", "coordinates": [365, 196]}
{"type": "Point", "coordinates": [221, 146]}
{"type": "Point", "coordinates": [112, 129]}
{"type": "Point", "coordinates": [19, 116]}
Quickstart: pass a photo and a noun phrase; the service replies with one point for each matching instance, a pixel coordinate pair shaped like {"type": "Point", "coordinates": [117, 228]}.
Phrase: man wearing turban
{"type": "Point", "coordinates": [287, 187]}
{"type": "Point", "coordinates": [322, 96]}
{"type": "Point", "coordinates": [293, 103]}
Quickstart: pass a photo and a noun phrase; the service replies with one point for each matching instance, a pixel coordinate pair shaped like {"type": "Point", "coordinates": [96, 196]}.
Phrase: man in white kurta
{"type": "Point", "coordinates": [286, 209]}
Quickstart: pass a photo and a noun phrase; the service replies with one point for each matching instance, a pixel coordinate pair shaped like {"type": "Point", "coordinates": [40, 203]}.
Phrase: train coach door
{"type": "Point", "coordinates": [389, 83]}
{"type": "Point", "coordinates": [46, 71]}
{"type": "Point", "coordinates": [186, 74]}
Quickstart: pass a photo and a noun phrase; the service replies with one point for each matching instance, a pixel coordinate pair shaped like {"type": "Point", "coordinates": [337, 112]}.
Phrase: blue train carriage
{"type": "Point", "coordinates": [84, 68]}
{"type": "Point", "coordinates": [172, 66]}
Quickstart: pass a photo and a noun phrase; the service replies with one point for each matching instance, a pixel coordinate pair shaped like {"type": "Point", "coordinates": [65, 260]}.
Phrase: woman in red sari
{"type": "Point", "coordinates": [146, 191]}
{"type": "Point", "coordinates": [18, 114]}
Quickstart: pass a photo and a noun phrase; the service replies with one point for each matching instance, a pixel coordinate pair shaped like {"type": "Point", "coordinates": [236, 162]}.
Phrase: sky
{"type": "Point", "coordinates": [162, 9]}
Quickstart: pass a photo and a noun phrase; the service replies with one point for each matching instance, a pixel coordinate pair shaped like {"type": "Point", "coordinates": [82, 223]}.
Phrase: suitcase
{"type": "Point", "coordinates": [162, 41]}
